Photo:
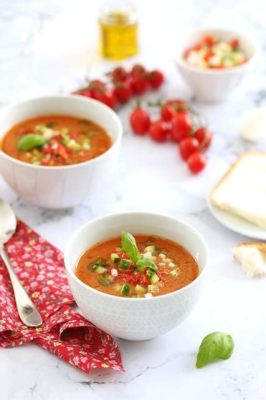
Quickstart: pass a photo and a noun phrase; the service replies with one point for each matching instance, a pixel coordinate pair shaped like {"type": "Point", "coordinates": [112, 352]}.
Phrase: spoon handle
{"type": "Point", "coordinates": [27, 311]}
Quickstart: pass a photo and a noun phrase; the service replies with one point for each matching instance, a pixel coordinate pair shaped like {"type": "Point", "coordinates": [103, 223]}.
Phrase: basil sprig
{"type": "Point", "coordinates": [129, 245]}
{"type": "Point", "coordinates": [215, 346]}
{"type": "Point", "coordinates": [29, 142]}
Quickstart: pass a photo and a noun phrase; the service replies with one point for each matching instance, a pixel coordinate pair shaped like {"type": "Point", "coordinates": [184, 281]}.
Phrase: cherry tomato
{"type": "Point", "coordinates": [182, 126]}
{"type": "Point", "coordinates": [158, 131]}
{"type": "Point", "coordinates": [198, 47]}
{"type": "Point", "coordinates": [209, 40]}
{"type": "Point", "coordinates": [204, 137]}
{"type": "Point", "coordinates": [105, 96]}
{"type": "Point", "coordinates": [96, 84]}
{"type": "Point", "coordinates": [140, 121]}
{"type": "Point", "coordinates": [155, 79]}
{"type": "Point", "coordinates": [139, 84]}
{"type": "Point", "coordinates": [208, 56]}
{"type": "Point", "coordinates": [234, 43]}
{"type": "Point", "coordinates": [188, 146]}
{"type": "Point", "coordinates": [171, 108]}
{"type": "Point", "coordinates": [123, 91]}
{"type": "Point", "coordinates": [138, 70]}
{"type": "Point", "coordinates": [119, 74]}
{"type": "Point", "coordinates": [196, 162]}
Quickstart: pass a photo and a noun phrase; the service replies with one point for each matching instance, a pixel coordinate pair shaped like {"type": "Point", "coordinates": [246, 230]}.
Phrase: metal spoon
{"type": "Point", "coordinates": [27, 311]}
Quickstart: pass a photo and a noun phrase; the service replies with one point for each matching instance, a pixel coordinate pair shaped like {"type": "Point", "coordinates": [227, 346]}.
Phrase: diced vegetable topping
{"type": "Point", "coordinates": [125, 289]}
{"type": "Point", "coordinates": [214, 53]}
{"type": "Point", "coordinates": [115, 258]}
{"type": "Point", "coordinates": [103, 280]}
{"type": "Point", "coordinates": [124, 264]}
{"type": "Point", "coordinates": [135, 271]}
{"type": "Point", "coordinates": [100, 270]}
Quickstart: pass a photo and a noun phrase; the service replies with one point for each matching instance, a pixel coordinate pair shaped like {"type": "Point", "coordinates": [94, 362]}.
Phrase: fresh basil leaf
{"type": "Point", "coordinates": [215, 346]}
{"type": "Point", "coordinates": [29, 142]}
{"type": "Point", "coordinates": [129, 245]}
{"type": "Point", "coordinates": [143, 263]}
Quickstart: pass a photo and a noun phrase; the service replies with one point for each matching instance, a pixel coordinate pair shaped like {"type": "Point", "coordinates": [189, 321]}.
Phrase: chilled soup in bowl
{"type": "Point", "coordinates": [55, 140]}
{"type": "Point", "coordinates": [137, 266]}
{"type": "Point", "coordinates": [130, 293]}
{"type": "Point", "coordinates": [56, 150]}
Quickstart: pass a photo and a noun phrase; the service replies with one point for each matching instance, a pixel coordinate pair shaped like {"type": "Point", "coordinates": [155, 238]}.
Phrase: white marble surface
{"type": "Point", "coordinates": [151, 177]}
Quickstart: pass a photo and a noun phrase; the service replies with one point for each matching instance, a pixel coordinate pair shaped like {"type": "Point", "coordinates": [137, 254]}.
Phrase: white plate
{"type": "Point", "coordinates": [237, 224]}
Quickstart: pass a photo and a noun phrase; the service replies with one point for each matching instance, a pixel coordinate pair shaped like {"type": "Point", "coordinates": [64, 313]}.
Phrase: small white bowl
{"type": "Point", "coordinates": [62, 186]}
{"type": "Point", "coordinates": [212, 85]}
{"type": "Point", "coordinates": [135, 318]}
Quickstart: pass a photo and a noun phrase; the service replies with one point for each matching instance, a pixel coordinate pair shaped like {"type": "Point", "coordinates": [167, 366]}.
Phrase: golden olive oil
{"type": "Point", "coordinates": [118, 34]}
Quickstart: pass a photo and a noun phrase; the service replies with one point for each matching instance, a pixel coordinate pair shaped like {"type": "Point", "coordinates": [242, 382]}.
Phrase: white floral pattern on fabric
{"type": "Point", "coordinates": [65, 333]}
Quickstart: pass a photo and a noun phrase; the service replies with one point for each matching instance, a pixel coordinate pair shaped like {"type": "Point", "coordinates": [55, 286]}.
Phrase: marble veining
{"type": "Point", "coordinates": [65, 55]}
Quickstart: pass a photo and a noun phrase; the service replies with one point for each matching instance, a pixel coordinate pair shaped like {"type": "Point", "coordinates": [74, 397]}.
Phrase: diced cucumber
{"type": "Point", "coordinates": [115, 258]}
{"type": "Point", "coordinates": [104, 280]}
{"type": "Point", "coordinates": [100, 270]}
{"type": "Point", "coordinates": [65, 136]}
{"type": "Point", "coordinates": [140, 289]}
{"type": "Point", "coordinates": [124, 264]}
{"type": "Point", "coordinates": [150, 249]}
{"type": "Point", "coordinates": [73, 145]}
{"type": "Point", "coordinates": [125, 289]}
{"type": "Point", "coordinates": [154, 278]}
{"type": "Point", "coordinates": [150, 272]}
{"type": "Point", "coordinates": [45, 131]}
{"type": "Point", "coordinates": [98, 262]}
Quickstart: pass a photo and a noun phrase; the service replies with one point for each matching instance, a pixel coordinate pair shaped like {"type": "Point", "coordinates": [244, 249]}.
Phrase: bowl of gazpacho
{"type": "Point", "coordinates": [136, 275]}
{"type": "Point", "coordinates": [54, 151]}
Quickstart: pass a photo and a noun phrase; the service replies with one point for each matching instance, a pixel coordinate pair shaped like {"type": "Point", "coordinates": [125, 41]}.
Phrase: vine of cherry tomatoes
{"type": "Point", "coordinates": [122, 85]}
{"type": "Point", "coordinates": [175, 124]}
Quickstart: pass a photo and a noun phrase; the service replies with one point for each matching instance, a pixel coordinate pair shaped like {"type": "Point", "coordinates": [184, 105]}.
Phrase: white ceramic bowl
{"type": "Point", "coordinates": [62, 186]}
{"type": "Point", "coordinates": [211, 85]}
{"type": "Point", "coordinates": [135, 318]}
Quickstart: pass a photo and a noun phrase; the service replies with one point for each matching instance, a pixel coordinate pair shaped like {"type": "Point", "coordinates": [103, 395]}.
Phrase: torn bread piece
{"type": "Point", "coordinates": [252, 257]}
{"type": "Point", "coordinates": [242, 190]}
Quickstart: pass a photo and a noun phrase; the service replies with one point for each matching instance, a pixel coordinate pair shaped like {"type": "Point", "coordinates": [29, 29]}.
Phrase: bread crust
{"type": "Point", "coordinates": [261, 246]}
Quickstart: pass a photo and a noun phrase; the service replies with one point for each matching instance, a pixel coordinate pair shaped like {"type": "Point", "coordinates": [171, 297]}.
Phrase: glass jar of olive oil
{"type": "Point", "coordinates": [118, 30]}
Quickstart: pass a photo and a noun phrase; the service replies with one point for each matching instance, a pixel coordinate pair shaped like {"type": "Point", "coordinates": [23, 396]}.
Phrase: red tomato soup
{"type": "Point", "coordinates": [143, 266]}
{"type": "Point", "coordinates": [55, 140]}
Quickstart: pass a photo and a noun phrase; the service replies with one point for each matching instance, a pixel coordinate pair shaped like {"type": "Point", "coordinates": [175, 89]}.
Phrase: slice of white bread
{"type": "Point", "coordinates": [242, 190]}
{"type": "Point", "coordinates": [252, 257]}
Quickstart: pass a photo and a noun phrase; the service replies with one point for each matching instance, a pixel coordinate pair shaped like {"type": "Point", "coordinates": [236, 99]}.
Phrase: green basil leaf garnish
{"type": "Point", "coordinates": [215, 346]}
{"type": "Point", "coordinates": [29, 142]}
{"type": "Point", "coordinates": [143, 263]}
{"type": "Point", "coordinates": [129, 245]}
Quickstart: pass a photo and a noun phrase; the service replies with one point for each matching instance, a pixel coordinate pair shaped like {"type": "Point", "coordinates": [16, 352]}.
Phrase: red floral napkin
{"type": "Point", "coordinates": [65, 333]}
